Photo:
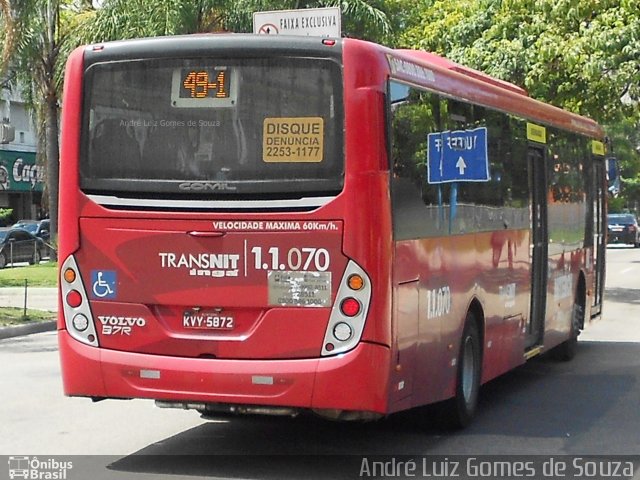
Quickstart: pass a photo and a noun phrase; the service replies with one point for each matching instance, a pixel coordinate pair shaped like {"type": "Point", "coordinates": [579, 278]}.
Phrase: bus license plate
{"type": "Point", "coordinates": [207, 321]}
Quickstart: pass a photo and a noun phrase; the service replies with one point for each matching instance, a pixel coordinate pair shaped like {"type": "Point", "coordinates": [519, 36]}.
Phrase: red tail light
{"type": "Point", "coordinates": [74, 299]}
{"type": "Point", "coordinates": [350, 307]}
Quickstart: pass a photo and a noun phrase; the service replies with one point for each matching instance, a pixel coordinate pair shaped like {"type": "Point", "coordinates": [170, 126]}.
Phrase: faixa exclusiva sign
{"type": "Point", "coordinates": [20, 173]}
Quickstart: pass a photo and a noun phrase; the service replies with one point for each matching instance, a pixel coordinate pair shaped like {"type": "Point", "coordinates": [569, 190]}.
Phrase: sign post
{"type": "Point", "coordinates": [313, 22]}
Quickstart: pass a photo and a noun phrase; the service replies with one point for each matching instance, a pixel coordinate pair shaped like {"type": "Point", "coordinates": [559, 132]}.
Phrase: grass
{"type": "Point", "coordinates": [43, 275]}
{"type": "Point", "coordinates": [15, 316]}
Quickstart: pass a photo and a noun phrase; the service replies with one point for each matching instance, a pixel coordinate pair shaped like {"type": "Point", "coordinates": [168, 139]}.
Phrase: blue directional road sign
{"type": "Point", "coordinates": [458, 156]}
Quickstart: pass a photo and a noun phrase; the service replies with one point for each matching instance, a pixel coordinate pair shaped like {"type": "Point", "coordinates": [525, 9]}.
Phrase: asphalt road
{"type": "Point", "coordinates": [585, 407]}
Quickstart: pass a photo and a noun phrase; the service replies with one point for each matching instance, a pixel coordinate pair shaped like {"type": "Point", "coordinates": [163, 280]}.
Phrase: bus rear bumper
{"type": "Point", "coordinates": [354, 381]}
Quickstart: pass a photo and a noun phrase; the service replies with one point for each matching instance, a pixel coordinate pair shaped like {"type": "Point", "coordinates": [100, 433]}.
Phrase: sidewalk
{"type": "Point", "coordinates": [38, 298]}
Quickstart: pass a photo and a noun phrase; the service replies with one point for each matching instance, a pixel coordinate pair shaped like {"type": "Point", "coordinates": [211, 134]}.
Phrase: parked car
{"type": "Point", "coordinates": [39, 228]}
{"type": "Point", "coordinates": [623, 228]}
{"type": "Point", "coordinates": [18, 245]}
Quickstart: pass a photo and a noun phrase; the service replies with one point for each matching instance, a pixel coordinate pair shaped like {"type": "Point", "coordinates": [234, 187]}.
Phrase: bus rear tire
{"type": "Point", "coordinates": [567, 350]}
{"type": "Point", "coordinates": [460, 410]}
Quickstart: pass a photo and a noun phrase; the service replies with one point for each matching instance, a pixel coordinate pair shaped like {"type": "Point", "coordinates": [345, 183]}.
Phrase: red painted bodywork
{"type": "Point", "coordinates": [404, 358]}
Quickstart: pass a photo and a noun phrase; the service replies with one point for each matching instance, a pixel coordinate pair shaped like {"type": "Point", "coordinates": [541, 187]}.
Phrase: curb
{"type": "Point", "coordinates": [28, 329]}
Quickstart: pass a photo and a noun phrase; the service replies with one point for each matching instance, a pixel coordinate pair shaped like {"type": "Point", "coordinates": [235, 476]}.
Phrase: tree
{"type": "Point", "coordinates": [32, 51]}
{"type": "Point", "coordinates": [7, 35]}
{"type": "Point", "coordinates": [583, 56]}
{"type": "Point", "coordinates": [119, 19]}
{"type": "Point", "coordinates": [625, 139]}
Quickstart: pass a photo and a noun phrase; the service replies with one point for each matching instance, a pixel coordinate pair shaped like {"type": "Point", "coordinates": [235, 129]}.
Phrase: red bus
{"type": "Point", "coordinates": [275, 225]}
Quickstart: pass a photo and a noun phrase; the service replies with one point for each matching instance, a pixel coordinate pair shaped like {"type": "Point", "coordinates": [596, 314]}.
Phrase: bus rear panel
{"type": "Point", "coordinates": [203, 248]}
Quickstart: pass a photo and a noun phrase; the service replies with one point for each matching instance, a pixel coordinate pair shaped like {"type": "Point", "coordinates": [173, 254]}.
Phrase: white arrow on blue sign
{"type": "Point", "coordinates": [458, 156]}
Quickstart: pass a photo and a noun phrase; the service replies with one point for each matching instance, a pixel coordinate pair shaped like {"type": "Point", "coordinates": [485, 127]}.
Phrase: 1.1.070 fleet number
{"type": "Point", "coordinates": [305, 259]}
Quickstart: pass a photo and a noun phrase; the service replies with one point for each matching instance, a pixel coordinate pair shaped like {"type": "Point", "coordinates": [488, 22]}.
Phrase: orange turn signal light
{"type": "Point", "coordinates": [355, 282]}
{"type": "Point", "coordinates": [69, 275]}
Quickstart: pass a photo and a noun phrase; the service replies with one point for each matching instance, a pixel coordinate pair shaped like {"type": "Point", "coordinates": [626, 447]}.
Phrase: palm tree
{"type": "Point", "coordinates": [7, 35]}
{"type": "Point", "coordinates": [31, 49]}
{"type": "Point", "coordinates": [118, 19]}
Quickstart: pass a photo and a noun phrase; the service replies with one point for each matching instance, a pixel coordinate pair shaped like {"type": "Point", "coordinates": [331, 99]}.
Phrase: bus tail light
{"type": "Point", "coordinates": [355, 282]}
{"type": "Point", "coordinates": [75, 304]}
{"type": "Point", "coordinates": [80, 322]}
{"type": "Point", "coordinates": [350, 307]}
{"type": "Point", "coordinates": [349, 311]}
{"type": "Point", "coordinates": [69, 275]}
{"type": "Point", "coordinates": [342, 331]}
{"type": "Point", "coordinates": [74, 299]}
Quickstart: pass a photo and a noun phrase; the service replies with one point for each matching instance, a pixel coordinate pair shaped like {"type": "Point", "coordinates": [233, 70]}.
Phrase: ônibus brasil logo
{"type": "Point", "coordinates": [38, 469]}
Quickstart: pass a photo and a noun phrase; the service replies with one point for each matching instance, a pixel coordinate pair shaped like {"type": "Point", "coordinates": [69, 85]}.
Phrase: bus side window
{"type": "Point", "coordinates": [418, 208]}
{"type": "Point", "coordinates": [423, 209]}
{"type": "Point", "coordinates": [567, 208]}
{"type": "Point", "coordinates": [501, 202]}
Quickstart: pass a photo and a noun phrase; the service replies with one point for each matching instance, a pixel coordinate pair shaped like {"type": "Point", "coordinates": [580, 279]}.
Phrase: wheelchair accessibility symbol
{"type": "Point", "coordinates": [103, 283]}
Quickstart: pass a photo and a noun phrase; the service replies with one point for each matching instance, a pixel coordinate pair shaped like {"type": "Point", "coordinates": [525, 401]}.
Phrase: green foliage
{"type": "Point", "coordinates": [5, 215]}
{"type": "Point", "coordinates": [15, 316]}
{"type": "Point", "coordinates": [629, 200]}
{"type": "Point", "coordinates": [582, 56]}
{"type": "Point", "coordinates": [617, 205]}
{"type": "Point", "coordinates": [625, 140]}
{"type": "Point", "coordinates": [120, 19]}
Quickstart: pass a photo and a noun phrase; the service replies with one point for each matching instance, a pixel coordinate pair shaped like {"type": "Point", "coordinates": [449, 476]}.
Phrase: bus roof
{"type": "Point", "coordinates": [442, 75]}
{"type": "Point", "coordinates": [456, 67]}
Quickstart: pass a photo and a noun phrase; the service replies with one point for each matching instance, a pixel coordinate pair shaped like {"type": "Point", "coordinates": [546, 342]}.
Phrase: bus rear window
{"type": "Point", "coordinates": [214, 128]}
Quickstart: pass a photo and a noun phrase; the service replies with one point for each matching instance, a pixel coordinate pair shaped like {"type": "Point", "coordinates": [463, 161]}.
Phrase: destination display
{"type": "Point", "coordinates": [203, 87]}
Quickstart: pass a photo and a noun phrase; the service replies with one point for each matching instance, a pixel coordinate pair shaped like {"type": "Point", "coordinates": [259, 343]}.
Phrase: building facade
{"type": "Point", "coordinates": [21, 177]}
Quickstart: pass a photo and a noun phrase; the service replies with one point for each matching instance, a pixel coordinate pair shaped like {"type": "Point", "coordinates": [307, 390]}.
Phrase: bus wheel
{"type": "Point", "coordinates": [462, 407]}
{"type": "Point", "coordinates": [3, 260]}
{"type": "Point", "coordinates": [568, 349]}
